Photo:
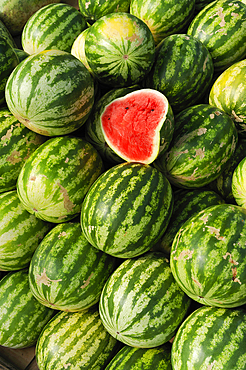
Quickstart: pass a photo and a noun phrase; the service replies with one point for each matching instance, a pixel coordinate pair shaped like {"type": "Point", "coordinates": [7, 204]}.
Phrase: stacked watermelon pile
{"type": "Point", "coordinates": [123, 183]}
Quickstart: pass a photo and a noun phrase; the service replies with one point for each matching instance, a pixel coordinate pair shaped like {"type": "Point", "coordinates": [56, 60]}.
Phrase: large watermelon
{"type": "Point", "coordinates": [119, 49]}
{"type": "Point", "coordinates": [77, 340]}
{"type": "Point", "coordinates": [211, 339]}
{"type": "Point", "coordinates": [50, 92]}
{"type": "Point", "coordinates": [20, 232]}
{"type": "Point", "coordinates": [139, 126]}
{"type": "Point", "coordinates": [221, 27]}
{"type": "Point", "coordinates": [141, 304]}
{"type": "Point", "coordinates": [164, 17]}
{"type": "Point", "coordinates": [127, 209]}
{"type": "Point", "coordinates": [130, 358]}
{"type": "Point", "coordinates": [182, 71]}
{"type": "Point", "coordinates": [205, 140]}
{"type": "Point", "coordinates": [229, 92]}
{"type": "Point", "coordinates": [67, 273]}
{"type": "Point", "coordinates": [22, 317]}
{"type": "Point", "coordinates": [208, 256]}
{"type": "Point", "coordinates": [54, 26]}
{"type": "Point", "coordinates": [54, 180]}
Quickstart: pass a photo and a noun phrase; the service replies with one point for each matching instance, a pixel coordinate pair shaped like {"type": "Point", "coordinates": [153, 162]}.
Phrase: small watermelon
{"type": "Point", "coordinates": [139, 126]}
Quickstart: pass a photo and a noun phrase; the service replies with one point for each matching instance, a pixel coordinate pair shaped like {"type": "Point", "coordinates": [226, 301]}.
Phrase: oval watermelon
{"type": "Point", "coordinates": [55, 179]}
{"type": "Point", "coordinates": [127, 209]}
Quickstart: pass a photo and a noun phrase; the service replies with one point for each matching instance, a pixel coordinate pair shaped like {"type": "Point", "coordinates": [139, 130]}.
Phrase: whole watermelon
{"type": "Point", "coordinates": [75, 338]}
{"type": "Point", "coordinates": [127, 209]}
{"type": "Point", "coordinates": [208, 256]}
{"type": "Point", "coordinates": [50, 92]}
{"type": "Point", "coordinates": [119, 49]}
{"type": "Point", "coordinates": [141, 304]}
{"type": "Point", "coordinates": [54, 180]}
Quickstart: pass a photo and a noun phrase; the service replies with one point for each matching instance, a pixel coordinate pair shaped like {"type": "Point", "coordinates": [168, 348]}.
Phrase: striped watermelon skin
{"type": "Point", "coordinates": [238, 183]}
{"type": "Point", "coordinates": [223, 184]}
{"type": "Point", "coordinates": [54, 26]}
{"type": "Point", "coordinates": [8, 62]}
{"type": "Point", "coordinates": [51, 92]}
{"type": "Point", "coordinates": [141, 304]}
{"type": "Point", "coordinates": [22, 317]}
{"type": "Point", "coordinates": [184, 84]}
{"type": "Point", "coordinates": [207, 256]}
{"type": "Point", "coordinates": [4, 32]}
{"type": "Point", "coordinates": [20, 232]}
{"type": "Point", "coordinates": [164, 17]}
{"type": "Point", "coordinates": [93, 129]}
{"type": "Point", "coordinates": [94, 9]}
{"type": "Point", "coordinates": [127, 209]}
{"type": "Point", "coordinates": [228, 93]}
{"type": "Point", "coordinates": [77, 340]}
{"type": "Point", "coordinates": [186, 204]}
{"type": "Point", "coordinates": [120, 56]}
{"type": "Point", "coordinates": [201, 150]}
{"type": "Point", "coordinates": [78, 48]}
{"type": "Point", "coordinates": [221, 27]}
{"type": "Point", "coordinates": [67, 273]}
{"type": "Point", "coordinates": [55, 179]}
{"type": "Point", "coordinates": [130, 358]}
{"type": "Point", "coordinates": [211, 338]}
{"type": "Point", "coordinates": [17, 144]}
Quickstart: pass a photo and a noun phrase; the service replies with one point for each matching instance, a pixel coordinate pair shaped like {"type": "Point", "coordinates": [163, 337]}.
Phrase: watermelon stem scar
{"type": "Point", "coordinates": [131, 125]}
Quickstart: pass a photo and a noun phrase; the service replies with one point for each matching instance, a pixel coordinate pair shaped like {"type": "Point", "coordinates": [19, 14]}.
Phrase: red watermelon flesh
{"type": "Point", "coordinates": [131, 125]}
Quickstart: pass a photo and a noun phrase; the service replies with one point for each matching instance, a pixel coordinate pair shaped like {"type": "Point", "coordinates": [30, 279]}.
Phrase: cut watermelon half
{"type": "Point", "coordinates": [138, 126]}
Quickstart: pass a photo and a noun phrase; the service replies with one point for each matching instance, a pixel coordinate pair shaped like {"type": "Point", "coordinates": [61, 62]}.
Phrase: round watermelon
{"type": "Point", "coordinates": [76, 339]}
{"type": "Point", "coordinates": [211, 338]}
{"type": "Point", "coordinates": [141, 304]}
{"type": "Point", "coordinates": [50, 92]}
{"type": "Point", "coordinates": [119, 49]}
{"type": "Point", "coordinates": [208, 256]}
{"type": "Point", "coordinates": [55, 179]}
{"type": "Point", "coordinates": [127, 209]}
{"type": "Point", "coordinates": [54, 26]}
{"type": "Point", "coordinates": [67, 273]}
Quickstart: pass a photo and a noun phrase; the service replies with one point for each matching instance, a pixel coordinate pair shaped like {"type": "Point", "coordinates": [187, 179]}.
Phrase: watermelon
{"type": "Point", "coordinates": [208, 254]}
{"type": "Point", "coordinates": [205, 140]}
{"type": "Point", "coordinates": [78, 48]}
{"type": "Point", "coordinates": [15, 13]}
{"type": "Point", "coordinates": [186, 204]}
{"type": "Point", "coordinates": [17, 144]}
{"type": "Point", "coordinates": [223, 184]}
{"type": "Point", "coordinates": [211, 338]}
{"type": "Point", "coordinates": [238, 183]}
{"type": "Point", "coordinates": [221, 27]}
{"type": "Point", "coordinates": [120, 49]}
{"type": "Point", "coordinates": [22, 317]}
{"type": "Point", "coordinates": [139, 126]}
{"type": "Point", "coordinates": [8, 61]}
{"type": "Point", "coordinates": [92, 10]}
{"type": "Point", "coordinates": [127, 209]}
{"type": "Point", "coordinates": [141, 305]}
{"type": "Point", "coordinates": [164, 17]}
{"type": "Point", "coordinates": [183, 83]}
{"type": "Point", "coordinates": [93, 128]}
{"type": "Point", "coordinates": [54, 26]}
{"type": "Point", "coordinates": [20, 232]}
{"type": "Point", "coordinates": [54, 180]}
{"type": "Point", "coordinates": [228, 93]}
{"type": "Point", "coordinates": [67, 273]}
{"type": "Point", "coordinates": [130, 358]}
{"type": "Point", "coordinates": [75, 340]}
{"type": "Point", "coordinates": [51, 92]}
